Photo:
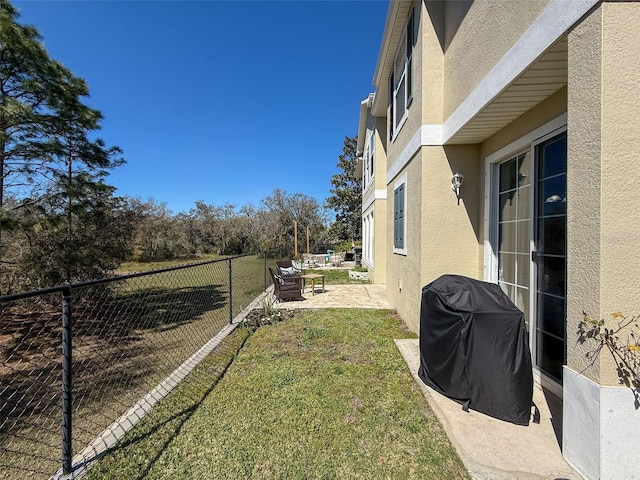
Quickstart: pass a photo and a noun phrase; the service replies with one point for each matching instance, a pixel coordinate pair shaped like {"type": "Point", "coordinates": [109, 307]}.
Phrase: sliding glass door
{"type": "Point", "coordinates": [531, 245]}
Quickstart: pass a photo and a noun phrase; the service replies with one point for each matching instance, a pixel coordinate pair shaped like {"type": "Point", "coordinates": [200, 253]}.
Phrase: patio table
{"type": "Point", "coordinates": [313, 277]}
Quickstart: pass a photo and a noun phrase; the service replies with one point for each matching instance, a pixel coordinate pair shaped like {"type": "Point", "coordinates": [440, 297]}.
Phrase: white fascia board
{"type": "Point", "coordinates": [359, 168]}
{"type": "Point", "coordinates": [365, 106]}
{"type": "Point", "coordinates": [426, 135]}
{"type": "Point", "coordinates": [555, 21]}
{"type": "Point", "coordinates": [389, 25]}
{"type": "Point", "coordinates": [393, 28]}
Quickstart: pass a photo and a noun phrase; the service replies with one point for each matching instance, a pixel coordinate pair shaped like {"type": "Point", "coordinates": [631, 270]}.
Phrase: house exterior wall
{"type": "Point", "coordinates": [475, 44]}
{"type": "Point", "coordinates": [456, 50]}
{"type": "Point", "coordinates": [431, 66]}
{"type": "Point", "coordinates": [403, 135]}
{"type": "Point", "coordinates": [403, 271]}
{"type": "Point", "coordinates": [379, 272]}
{"type": "Point", "coordinates": [449, 233]}
{"type": "Point", "coordinates": [375, 197]}
{"type": "Point", "coordinates": [603, 223]}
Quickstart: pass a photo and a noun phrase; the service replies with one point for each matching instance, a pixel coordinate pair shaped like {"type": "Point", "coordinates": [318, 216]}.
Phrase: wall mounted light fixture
{"type": "Point", "coordinates": [456, 183]}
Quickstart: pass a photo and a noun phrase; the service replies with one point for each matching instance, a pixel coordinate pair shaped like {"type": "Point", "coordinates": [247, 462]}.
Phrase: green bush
{"type": "Point", "coordinates": [343, 247]}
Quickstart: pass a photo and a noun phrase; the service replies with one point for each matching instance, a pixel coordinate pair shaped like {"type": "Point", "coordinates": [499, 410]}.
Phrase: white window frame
{"type": "Point", "coordinates": [368, 238]}
{"type": "Point", "coordinates": [372, 151]}
{"type": "Point", "coordinates": [402, 180]}
{"type": "Point", "coordinates": [367, 160]}
{"type": "Point", "coordinates": [528, 143]}
{"type": "Point", "coordinates": [405, 78]}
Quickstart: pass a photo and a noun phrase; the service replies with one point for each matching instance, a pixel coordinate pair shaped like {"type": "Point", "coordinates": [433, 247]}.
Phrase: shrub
{"type": "Point", "coordinates": [625, 351]}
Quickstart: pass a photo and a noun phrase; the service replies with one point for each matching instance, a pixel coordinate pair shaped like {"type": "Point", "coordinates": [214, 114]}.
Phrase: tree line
{"type": "Point", "coordinates": [60, 220]}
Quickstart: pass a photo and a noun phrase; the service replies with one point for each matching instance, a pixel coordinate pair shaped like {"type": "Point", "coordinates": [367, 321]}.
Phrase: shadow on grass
{"type": "Point", "coordinates": [157, 309]}
{"type": "Point", "coordinates": [160, 431]}
{"type": "Point", "coordinates": [123, 344]}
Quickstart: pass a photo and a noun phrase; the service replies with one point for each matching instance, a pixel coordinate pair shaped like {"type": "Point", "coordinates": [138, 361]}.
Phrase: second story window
{"type": "Point", "coordinates": [372, 144]}
{"type": "Point", "coordinates": [400, 81]}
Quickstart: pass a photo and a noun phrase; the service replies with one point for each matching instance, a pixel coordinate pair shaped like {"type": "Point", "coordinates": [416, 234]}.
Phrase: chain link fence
{"type": "Point", "coordinates": [80, 363]}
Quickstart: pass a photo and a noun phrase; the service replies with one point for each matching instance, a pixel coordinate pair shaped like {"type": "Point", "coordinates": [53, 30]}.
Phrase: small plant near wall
{"type": "Point", "coordinates": [267, 314]}
{"type": "Point", "coordinates": [622, 341]}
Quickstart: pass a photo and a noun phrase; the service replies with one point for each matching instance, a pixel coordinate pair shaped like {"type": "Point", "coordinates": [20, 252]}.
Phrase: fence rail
{"type": "Point", "coordinates": [75, 358]}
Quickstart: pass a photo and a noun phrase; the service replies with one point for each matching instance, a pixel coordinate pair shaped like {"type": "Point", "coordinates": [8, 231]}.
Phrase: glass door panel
{"type": "Point", "coordinates": [551, 256]}
{"type": "Point", "coordinates": [514, 229]}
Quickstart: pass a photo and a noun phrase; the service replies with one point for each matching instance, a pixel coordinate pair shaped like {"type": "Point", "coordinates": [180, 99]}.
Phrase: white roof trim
{"type": "Point", "coordinates": [377, 195]}
{"type": "Point", "coordinates": [365, 106]}
{"type": "Point", "coordinates": [426, 135]}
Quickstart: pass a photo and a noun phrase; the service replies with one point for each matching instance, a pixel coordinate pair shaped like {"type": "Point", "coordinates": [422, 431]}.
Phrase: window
{"type": "Point", "coordinates": [399, 223]}
{"type": "Point", "coordinates": [514, 229]}
{"type": "Point", "coordinates": [368, 161]}
{"type": "Point", "coordinates": [400, 81]}
{"type": "Point", "coordinates": [367, 239]}
{"type": "Point", "coordinates": [372, 143]}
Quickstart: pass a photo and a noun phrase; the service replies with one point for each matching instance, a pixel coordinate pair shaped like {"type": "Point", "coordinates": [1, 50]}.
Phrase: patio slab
{"type": "Point", "coordinates": [342, 296]}
{"type": "Point", "coordinates": [493, 449]}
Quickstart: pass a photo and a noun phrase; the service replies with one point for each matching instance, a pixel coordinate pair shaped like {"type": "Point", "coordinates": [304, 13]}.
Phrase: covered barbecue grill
{"type": "Point", "coordinates": [474, 347]}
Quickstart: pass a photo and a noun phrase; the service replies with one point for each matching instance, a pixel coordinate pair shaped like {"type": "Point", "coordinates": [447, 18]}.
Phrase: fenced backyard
{"type": "Point", "coordinates": [77, 358]}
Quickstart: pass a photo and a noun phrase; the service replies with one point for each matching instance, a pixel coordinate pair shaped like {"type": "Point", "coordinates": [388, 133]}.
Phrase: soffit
{"type": "Point", "coordinates": [545, 76]}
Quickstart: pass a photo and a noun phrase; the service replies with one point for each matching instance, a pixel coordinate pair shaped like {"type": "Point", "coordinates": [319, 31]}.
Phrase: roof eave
{"type": "Point", "coordinates": [365, 107]}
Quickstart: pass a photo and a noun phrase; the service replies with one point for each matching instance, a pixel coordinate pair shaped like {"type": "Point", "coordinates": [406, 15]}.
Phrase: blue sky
{"type": "Point", "coordinates": [220, 101]}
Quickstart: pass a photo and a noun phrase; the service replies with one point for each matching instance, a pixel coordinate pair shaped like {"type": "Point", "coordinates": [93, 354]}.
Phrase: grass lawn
{"type": "Point", "coordinates": [323, 395]}
{"type": "Point", "coordinates": [336, 277]}
{"type": "Point", "coordinates": [135, 267]}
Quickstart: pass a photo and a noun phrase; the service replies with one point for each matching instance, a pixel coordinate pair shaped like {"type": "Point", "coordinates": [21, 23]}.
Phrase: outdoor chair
{"type": "Point", "coordinates": [285, 289]}
{"type": "Point", "coordinates": [288, 271]}
{"type": "Point", "coordinates": [297, 267]}
{"type": "Point", "coordinates": [284, 264]}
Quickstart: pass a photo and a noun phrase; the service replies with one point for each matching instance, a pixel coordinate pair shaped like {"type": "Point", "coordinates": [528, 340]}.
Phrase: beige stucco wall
{"type": "Point", "coordinates": [478, 38]}
{"type": "Point", "coordinates": [603, 146]}
{"type": "Point", "coordinates": [621, 155]}
{"type": "Point", "coordinates": [379, 273]}
{"type": "Point", "coordinates": [431, 66]}
{"type": "Point", "coordinates": [449, 233]}
{"type": "Point", "coordinates": [583, 185]}
{"type": "Point", "coordinates": [403, 271]}
{"type": "Point", "coordinates": [380, 249]}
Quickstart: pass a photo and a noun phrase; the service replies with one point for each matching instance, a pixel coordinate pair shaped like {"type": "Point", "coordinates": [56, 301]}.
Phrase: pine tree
{"type": "Point", "coordinates": [50, 167]}
{"type": "Point", "coordinates": [346, 199]}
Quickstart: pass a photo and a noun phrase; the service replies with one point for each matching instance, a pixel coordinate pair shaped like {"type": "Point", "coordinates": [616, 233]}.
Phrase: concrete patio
{"type": "Point", "coordinates": [491, 449]}
{"type": "Point", "coordinates": [342, 296]}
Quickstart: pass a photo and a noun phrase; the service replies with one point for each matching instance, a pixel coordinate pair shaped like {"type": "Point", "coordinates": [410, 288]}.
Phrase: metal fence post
{"type": "Point", "coordinates": [67, 382]}
{"type": "Point", "coordinates": [230, 294]}
{"type": "Point", "coordinates": [264, 271]}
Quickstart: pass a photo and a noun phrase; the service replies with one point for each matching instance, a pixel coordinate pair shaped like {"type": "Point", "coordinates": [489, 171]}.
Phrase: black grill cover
{"type": "Point", "coordinates": [474, 347]}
